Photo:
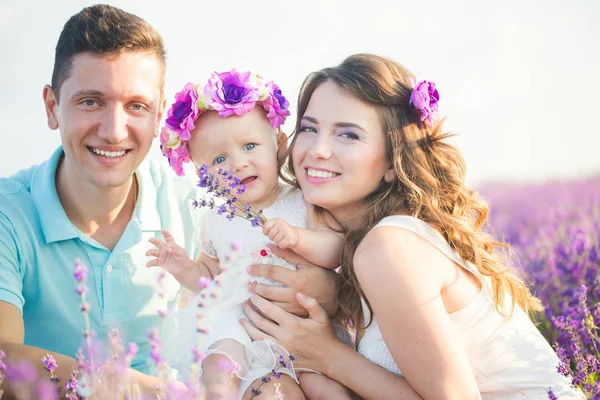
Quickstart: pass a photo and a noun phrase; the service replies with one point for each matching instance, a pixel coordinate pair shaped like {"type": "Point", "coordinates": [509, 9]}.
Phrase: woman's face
{"type": "Point", "coordinates": [339, 156]}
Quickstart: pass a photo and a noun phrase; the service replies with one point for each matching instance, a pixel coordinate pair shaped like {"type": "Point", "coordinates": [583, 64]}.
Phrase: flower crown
{"type": "Point", "coordinates": [424, 98]}
{"type": "Point", "coordinates": [228, 93]}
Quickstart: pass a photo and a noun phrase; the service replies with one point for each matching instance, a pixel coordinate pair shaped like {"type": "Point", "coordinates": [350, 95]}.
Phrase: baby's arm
{"type": "Point", "coordinates": [174, 259]}
{"type": "Point", "coordinates": [319, 243]}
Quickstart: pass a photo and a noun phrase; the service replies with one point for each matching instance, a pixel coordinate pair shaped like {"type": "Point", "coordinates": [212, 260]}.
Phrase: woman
{"type": "Point", "coordinates": [438, 313]}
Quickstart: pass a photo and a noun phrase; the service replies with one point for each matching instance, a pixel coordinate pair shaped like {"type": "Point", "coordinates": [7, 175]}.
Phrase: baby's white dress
{"type": "Point", "coordinates": [221, 314]}
{"type": "Point", "coordinates": [510, 358]}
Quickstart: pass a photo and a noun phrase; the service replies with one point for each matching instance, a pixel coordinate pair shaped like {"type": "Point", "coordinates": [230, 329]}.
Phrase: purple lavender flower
{"type": "Point", "coordinates": [80, 272]}
{"type": "Point", "coordinates": [46, 391]}
{"type": "Point", "coordinates": [554, 230]}
{"type": "Point", "coordinates": [20, 371]}
{"type": "Point", "coordinates": [50, 365]}
{"type": "Point", "coordinates": [224, 190]}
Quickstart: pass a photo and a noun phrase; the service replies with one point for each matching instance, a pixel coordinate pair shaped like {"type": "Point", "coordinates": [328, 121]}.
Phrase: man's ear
{"type": "Point", "coordinates": [281, 144]}
{"type": "Point", "coordinates": [50, 104]}
{"type": "Point", "coordinates": [161, 111]}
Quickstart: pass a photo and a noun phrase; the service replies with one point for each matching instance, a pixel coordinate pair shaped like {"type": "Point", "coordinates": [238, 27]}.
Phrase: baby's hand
{"type": "Point", "coordinates": [281, 233]}
{"type": "Point", "coordinates": [170, 256]}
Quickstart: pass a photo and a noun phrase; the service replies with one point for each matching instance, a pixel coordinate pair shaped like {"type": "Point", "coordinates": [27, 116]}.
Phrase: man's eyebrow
{"type": "Point", "coordinates": [87, 92]}
{"type": "Point", "coordinates": [337, 124]}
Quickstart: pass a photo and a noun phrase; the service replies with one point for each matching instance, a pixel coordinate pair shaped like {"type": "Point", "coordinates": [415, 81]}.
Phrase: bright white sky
{"type": "Point", "coordinates": [518, 79]}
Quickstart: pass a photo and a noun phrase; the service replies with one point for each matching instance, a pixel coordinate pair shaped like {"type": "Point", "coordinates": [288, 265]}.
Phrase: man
{"type": "Point", "coordinates": [97, 200]}
{"type": "Point", "coordinates": [86, 203]}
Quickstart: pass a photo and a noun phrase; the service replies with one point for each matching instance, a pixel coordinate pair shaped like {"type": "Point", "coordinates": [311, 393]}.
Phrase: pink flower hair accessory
{"type": "Point", "coordinates": [228, 93]}
{"type": "Point", "coordinates": [424, 98]}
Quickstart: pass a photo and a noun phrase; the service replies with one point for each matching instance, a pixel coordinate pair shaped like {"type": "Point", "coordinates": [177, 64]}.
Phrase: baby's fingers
{"type": "Point", "coordinates": [162, 257]}
{"type": "Point", "coordinates": [168, 237]}
{"type": "Point", "coordinates": [157, 242]}
{"type": "Point", "coordinates": [152, 253]}
{"type": "Point", "coordinates": [152, 263]}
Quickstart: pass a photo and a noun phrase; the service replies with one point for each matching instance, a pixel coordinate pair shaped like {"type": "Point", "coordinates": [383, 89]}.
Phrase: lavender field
{"type": "Point", "coordinates": [554, 231]}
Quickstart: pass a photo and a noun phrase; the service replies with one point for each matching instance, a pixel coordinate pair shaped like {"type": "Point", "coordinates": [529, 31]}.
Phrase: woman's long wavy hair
{"type": "Point", "coordinates": [429, 182]}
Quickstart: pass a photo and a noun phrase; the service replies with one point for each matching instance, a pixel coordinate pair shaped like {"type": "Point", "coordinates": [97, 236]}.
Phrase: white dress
{"type": "Point", "coordinates": [222, 313]}
{"type": "Point", "coordinates": [510, 358]}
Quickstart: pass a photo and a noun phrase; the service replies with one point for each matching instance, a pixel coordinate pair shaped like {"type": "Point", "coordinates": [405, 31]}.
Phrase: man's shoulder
{"type": "Point", "coordinates": [17, 185]}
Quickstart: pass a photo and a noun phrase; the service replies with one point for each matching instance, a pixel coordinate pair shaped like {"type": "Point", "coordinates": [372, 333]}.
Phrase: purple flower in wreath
{"type": "Point", "coordinates": [276, 105]}
{"type": "Point", "coordinates": [424, 98]}
{"type": "Point", "coordinates": [181, 116]}
{"type": "Point", "coordinates": [231, 93]}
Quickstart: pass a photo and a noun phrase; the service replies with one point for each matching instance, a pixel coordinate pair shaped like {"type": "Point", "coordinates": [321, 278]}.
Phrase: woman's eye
{"type": "Point", "coordinates": [220, 160]}
{"type": "Point", "coordinates": [349, 135]}
{"type": "Point", "coordinates": [249, 146]}
{"type": "Point", "coordinates": [304, 128]}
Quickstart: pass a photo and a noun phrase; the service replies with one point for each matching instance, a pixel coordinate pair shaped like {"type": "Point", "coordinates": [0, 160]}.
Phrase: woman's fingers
{"type": "Point", "coordinates": [270, 292]}
{"type": "Point", "coordinates": [274, 272]}
{"type": "Point", "coordinates": [270, 310]}
{"type": "Point", "coordinates": [288, 255]}
{"type": "Point", "coordinates": [259, 321]}
{"type": "Point", "coordinates": [315, 311]}
{"type": "Point", "coordinates": [254, 332]}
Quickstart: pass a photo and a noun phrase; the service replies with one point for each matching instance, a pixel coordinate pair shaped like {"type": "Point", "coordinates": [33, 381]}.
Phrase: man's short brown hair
{"type": "Point", "coordinates": [103, 30]}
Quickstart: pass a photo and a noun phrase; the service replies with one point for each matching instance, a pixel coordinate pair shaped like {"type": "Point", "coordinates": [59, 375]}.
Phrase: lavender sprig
{"type": "Point", "coordinates": [283, 363]}
{"type": "Point", "coordinates": [2, 370]}
{"type": "Point", "coordinates": [50, 365]}
{"type": "Point", "coordinates": [86, 370]}
{"type": "Point", "coordinates": [227, 187]}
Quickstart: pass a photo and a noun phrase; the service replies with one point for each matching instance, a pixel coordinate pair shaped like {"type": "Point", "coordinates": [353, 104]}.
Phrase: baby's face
{"type": "Point", "coordinates": [246, 146]}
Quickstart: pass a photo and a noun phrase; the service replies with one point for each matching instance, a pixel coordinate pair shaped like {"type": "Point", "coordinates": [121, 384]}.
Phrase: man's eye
{"type": "Point", "coordinates": [249, 146]}
{"type": "Point", "coordinates": [89, 102]}
{"type": "Point", "coordinates": [219, 160]}
{"type": "Point", "coordinates": [137, 107]}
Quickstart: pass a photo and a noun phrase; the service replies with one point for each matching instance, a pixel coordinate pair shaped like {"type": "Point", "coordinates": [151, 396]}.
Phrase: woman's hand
{"type": "Point", "coordinates": [307, 339]}
{"type": "Point", "coordinates": [314, 281]}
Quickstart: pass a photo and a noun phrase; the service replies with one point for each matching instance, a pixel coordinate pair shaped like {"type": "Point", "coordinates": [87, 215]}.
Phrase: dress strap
{"type": "Point", "coordinates": [431, 235]}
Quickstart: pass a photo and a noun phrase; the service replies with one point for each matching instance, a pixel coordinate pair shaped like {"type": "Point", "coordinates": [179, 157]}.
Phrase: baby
{"type": "Point", "coordinates": [219, 127]}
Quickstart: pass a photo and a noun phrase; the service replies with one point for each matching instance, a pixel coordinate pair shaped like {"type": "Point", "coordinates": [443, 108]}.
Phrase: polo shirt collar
{"type": "Point", "coordinates": [146, 213]}
{"type": "Point", "coordinates": [55, 224]}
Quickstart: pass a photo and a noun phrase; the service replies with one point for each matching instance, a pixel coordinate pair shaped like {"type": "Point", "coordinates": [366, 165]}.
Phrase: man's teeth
{"type": "Point", "coordinates": [321, 174]}
{"type": "Point", "coordinates": [109, 154]}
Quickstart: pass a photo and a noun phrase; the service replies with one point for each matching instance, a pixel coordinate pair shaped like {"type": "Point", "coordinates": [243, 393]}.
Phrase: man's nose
{"type": "Point", "coordinates": [113, 127]}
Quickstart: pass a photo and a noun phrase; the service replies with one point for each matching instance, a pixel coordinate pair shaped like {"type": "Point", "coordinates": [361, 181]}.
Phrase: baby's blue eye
{"type": "Point", "coordinates": [249, 146]}
{"type": "Point", "coordinates": [219, 160]}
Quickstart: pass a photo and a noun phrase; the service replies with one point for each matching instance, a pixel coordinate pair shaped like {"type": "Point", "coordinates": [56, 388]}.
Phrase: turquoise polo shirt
{"type": "Point", "coordinates": [39, 246]}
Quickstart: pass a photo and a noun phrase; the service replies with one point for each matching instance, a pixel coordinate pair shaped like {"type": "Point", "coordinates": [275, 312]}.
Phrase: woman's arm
{"type": "Point", "coordinates": [402, 277]}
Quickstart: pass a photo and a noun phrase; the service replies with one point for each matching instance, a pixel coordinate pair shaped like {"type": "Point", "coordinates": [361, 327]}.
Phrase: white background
{"type": "Point", "coordinates": [518, 79]}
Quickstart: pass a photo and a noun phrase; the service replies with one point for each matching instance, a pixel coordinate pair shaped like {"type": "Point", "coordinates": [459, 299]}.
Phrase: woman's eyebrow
{"type": "Point", "coordinates": [349, 125]}
{"type": "Point", "coordinates": [310, 119]}
{"type": "Point", "coordinates": [337, 124]}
